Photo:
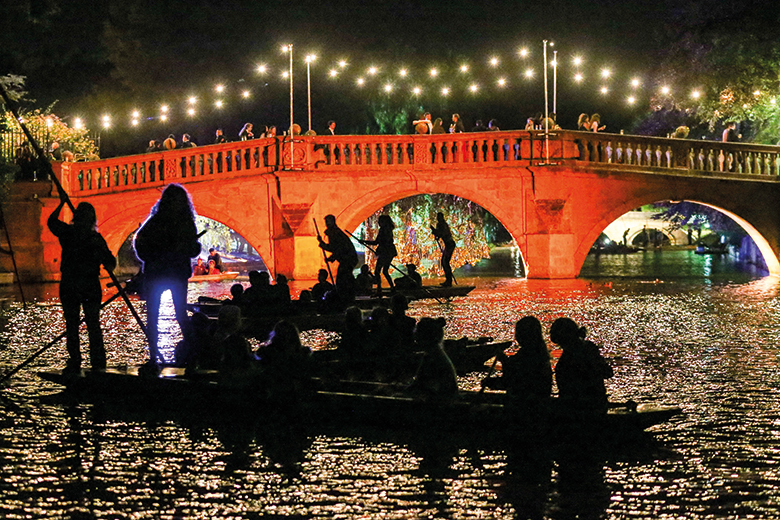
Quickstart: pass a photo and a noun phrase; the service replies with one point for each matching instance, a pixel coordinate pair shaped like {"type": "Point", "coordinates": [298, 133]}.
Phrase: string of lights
{"type": "Point", "coordinates": [475, 77]}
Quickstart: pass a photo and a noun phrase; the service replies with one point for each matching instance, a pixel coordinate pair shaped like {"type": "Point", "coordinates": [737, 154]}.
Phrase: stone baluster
{"type": "Point", "coordinates": [620, 155]}
{"type": "Point", "coordinates": [629, 154]}
{"type": "Point", "coordinates": [609, 152]}
{"type": "Point", "coordinates": [669, 157]}
{"type": "Point", "coordinates": [722, 161]}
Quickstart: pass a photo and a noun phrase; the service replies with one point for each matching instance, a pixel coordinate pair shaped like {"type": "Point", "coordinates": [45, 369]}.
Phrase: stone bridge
{"type": "Point", "coordinates": [554, 194]}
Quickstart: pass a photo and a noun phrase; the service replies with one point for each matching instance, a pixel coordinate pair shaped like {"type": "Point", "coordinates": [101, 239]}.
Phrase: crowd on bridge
{"type": "Point", "coordinates": [425, 124]}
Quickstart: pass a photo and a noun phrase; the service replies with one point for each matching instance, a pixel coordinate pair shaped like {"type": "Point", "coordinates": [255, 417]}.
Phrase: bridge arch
{"type": "Point", "coordinates": [122, 224]}
{"type": "Point", "coordinates": [369, 202]}
{"type": "Point", "coordinates": [771, 259]}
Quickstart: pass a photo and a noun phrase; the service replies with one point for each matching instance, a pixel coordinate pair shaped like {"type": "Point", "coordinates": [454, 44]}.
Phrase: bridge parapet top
{"type": "Point", "coordinates": [446, 151]}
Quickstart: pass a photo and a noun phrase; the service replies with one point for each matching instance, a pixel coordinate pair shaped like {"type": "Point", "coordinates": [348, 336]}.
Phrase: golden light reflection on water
{"type": "Point", "coordinates": [712, 348]}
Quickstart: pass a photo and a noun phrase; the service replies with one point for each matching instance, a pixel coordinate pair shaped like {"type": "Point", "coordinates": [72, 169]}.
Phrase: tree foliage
{"type": "Point", "coordinates": [730, 51]}
{"type": "Point", "coordinates": [696, 216]}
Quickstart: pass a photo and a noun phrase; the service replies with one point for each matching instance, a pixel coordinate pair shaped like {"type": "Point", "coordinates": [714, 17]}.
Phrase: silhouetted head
{"type": "Point", "coordinates": [528, 333]}
{"type": "Point", "coordinates": [264, 278]}
{"type": "Point", "coordinates": [386, 221]}
{"type": "Point", "coordinates": [84, 216]}
{"type": "Point", "coordinates": [412, 268]}
{"type": "Point", "coordinates": [305, 296]}
{"type": "Point", "coordinates": [440, 216]}
{"type": "Point", "coordinates": [199, 322]}
{"type": "Point", "coordinates": [353, 317]}
{"type": "Point", "coordinates": [429, 332]}
{"type": "Point", "coordinates": [565, 332]}
{"type": "Point", "coordinates": [285, 336]}
{"type": "Point", "coordinates": [254, 277]}
{"type": "Point", "coordinates": [364, 269]}
{"type": "Point", "coordinates": [330, 221]}
{"type": "Point", "coordinates": [281, 279]}
{"type": "Point", "coordinates": [322, 275]}
{"type": "Point", "coordinates": [174, 203]}
{"type": "Point", "coordinates": [236, 290]}
{"type": "Point", "coordinates": [399, 303]}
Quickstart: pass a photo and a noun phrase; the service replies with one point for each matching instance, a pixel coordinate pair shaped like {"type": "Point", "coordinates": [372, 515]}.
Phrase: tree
{"type": "Point", "coordinates": [730, 50]}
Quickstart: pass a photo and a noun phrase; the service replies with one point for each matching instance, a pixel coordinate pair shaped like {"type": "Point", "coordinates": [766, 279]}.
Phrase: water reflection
{"type": "Point", "coordinates": [709, 344]}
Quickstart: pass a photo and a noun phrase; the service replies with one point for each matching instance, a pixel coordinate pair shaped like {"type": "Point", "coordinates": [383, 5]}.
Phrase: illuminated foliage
{"type": "Point", "coordinates": [730, 51]}
{"type": "Point", "coordinates": [413, 217]}
{"type": "Point", "coordinates": [47, 128]}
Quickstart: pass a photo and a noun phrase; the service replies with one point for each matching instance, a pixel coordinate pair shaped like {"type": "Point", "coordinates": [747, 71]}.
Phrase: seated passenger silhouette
{"type": "Point", "coordinates": [436, 377]}
{"type": "Point", "coordinates": [580, 371]}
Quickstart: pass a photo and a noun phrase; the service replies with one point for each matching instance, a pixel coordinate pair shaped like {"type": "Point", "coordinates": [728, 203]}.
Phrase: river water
{"type": "Point", "coordinates": [679, 329]}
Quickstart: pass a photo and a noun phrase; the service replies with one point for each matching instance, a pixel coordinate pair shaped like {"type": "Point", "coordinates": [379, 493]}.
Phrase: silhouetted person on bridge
{"type": "Point", "coordinates": [442, 232]}
{"type": "Point", "coordinates": [730, 133]}
{"type": "Point", "coordinates": [246, 132]}
{"type": "Point", "coordinates": [457, 125]}
{"type": "Point", "coordinates": [165, 243]}
{"type": "Point", "coordinates": [83, 252]}
{"type": "Point", "coordinates": [342, 251]}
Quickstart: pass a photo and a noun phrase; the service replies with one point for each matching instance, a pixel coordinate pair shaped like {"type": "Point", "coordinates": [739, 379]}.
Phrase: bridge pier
{"type": "Point", "coordinates": [297, 257]}
{"type": "Point", "coordinates": [550, 256]}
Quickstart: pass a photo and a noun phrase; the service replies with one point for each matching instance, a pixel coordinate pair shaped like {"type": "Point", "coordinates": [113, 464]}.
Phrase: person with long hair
{"type": "Point", "coordinates": [385, 252]}
{"type": "Point", "coordinates": [83, 252]}
{"type": "Point", "coordinates": [165, 243]}
{"type": "Point", "coordinates": [527, 375]}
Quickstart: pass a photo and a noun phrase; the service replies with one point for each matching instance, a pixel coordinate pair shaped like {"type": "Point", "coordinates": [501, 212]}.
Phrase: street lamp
{"type": "Point", "coordinates": [555, 83]}
{"type": "Point", "coordinates": [309, 59]}
{"type": "Point", "coordinates": [289, 48]}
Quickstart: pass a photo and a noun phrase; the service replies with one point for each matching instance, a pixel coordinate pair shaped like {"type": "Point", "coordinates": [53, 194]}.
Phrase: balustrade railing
{"type": "Point", "coordinates": [182, 165]}
{"type": "Point", "coordinates": [472, 150]}
{"type": "Point", "coordinates": [685, 154]}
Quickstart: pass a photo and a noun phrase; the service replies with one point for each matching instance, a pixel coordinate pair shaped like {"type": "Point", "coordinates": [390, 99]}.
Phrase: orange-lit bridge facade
{"type": "Point", "coordinates": [554, 195]}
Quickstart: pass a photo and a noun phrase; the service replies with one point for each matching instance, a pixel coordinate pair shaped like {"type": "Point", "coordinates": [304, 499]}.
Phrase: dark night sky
{"type": "Point", "coordinates": [110, 57]}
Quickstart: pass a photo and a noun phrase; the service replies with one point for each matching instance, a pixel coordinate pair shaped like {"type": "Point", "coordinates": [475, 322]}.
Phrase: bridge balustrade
{"type": "Point", "coordinates": [447, 151]}
{"type": "Point", "coordinates": [686, 154]}
{"type": "Point", "coordinates": [159, 168]}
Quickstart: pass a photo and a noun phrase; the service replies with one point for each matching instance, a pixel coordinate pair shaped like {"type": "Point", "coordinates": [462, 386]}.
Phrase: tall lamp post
{"type": "Point", "coordinates": [309, 59]}
{"type": "Point", "coordinates": [289, 48]}
{"type": "Point", "coordinates": [555, 83]}
{"type": "Point", "coordinates": [546, 109]}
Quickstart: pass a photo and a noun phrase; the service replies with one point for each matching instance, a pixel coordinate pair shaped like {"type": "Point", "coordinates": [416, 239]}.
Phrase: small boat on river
{"type": "Point", "coordinates": [436, 292]}
{"type": "Point", "coordinates": [351, 403]}
{"type": "Point", "coordinates": [221, 277]}
{"type": "Point", "coordinates": [468, 355]}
